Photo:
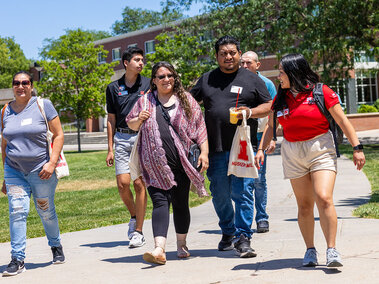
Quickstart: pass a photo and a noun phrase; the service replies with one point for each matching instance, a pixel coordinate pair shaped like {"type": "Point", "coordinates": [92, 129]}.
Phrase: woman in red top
{"type": "Point", "coordinates": [308, 151]}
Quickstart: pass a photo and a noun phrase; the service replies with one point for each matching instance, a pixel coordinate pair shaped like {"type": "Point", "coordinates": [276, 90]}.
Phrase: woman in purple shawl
{"type": "Point", "coordinates": [170, 121]}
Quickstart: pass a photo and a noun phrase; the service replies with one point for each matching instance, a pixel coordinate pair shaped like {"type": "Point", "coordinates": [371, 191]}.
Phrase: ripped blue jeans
{"type": "Point", "coordinates": [19, 188]}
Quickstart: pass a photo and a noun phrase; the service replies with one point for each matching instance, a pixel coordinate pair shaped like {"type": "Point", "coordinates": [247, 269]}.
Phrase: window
{"type": "Point", "coordinates": [366, 87]}
{"type": "Point", "coordinates": [132, 45]}
{"type": "Point", "coordinates": [149, 46]}
{"type": "Point", "coordinates": [101, 58]}
{"type": "Point", "coordinates": [116, 54]}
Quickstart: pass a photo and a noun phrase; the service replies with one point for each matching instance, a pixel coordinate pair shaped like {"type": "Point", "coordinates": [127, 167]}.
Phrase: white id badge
{"type": "Point", "coordinates": [236, 89]}
{"type": "Point", "coordinates": [26, 121]}
{"type": "Point", "coordinates": [284, 112]}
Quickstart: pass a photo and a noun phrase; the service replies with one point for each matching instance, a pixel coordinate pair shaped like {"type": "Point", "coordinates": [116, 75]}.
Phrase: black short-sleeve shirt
{"type": "Point", "coordinates": [218, 91]}
{"type": "Point", "coordinates": [121, 98]}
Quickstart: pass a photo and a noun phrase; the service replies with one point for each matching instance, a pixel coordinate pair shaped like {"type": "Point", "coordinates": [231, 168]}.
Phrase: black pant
{"type": "Point", "coordinates": [178, 196]}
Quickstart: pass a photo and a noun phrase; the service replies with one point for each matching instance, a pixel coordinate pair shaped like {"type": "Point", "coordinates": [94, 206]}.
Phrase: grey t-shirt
{"type": "Point", "coordinates": [25, 134]}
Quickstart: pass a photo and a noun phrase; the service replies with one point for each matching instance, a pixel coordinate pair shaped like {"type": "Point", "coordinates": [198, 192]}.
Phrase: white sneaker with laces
{"type": "Point", "coordinates": [132, 227]}
{"type": "Point", "coordinates": [333, 258]}
{"type": "Point", "coordinates": [310, 258]}
{"type": "Point", "coordinates": [137, 240]}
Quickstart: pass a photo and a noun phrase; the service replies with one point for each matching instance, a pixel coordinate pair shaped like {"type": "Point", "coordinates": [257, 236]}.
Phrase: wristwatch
{"type": "Point", "coordinates": [358, 147]}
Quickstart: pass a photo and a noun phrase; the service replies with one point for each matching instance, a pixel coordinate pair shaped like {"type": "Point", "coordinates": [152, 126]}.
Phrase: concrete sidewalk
{"type": "Point", "coordinates": [102, 255]}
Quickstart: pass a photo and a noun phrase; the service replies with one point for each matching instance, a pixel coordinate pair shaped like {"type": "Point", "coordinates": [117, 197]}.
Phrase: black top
{"type": "Point", "coordinates": [168, 144]}
{"type": "Point", "coordinates": [218, 91]}
{"type": "Point", "coordinates": [121, 98]}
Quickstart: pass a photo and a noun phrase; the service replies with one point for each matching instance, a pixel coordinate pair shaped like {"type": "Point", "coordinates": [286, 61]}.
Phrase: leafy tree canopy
{"type": "Point", "coordinates": [12, 60]}
{"type": "Point", "coordinates": [137, 19]}
{"type": "Point", "coordinates": [50, 45]}
{"type": "Point", "coordinates": [184, 52]}
{"type": "Point", "coordinates": [327, 33]}
{"type": "Point", "coordinates": [72, 77]}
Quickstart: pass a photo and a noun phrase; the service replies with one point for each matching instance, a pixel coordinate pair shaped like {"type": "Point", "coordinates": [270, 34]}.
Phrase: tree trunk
{"type": "Point", "coordinates": [78, 131]}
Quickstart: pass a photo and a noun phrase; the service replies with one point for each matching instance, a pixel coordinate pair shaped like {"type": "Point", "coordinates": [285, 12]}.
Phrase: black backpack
{"type": "Point", "coordinates": [336, 130]}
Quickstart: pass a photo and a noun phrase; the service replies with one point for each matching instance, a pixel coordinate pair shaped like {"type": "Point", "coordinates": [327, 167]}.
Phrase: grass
{"type": "Point", "coordinates": [87, 199]}
{"type": "Point", "coordinates": [371, 169]}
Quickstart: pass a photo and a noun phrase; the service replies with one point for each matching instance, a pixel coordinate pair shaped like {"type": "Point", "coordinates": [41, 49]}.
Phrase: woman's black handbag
{"type": "Point", "coordinates": [193, 156]}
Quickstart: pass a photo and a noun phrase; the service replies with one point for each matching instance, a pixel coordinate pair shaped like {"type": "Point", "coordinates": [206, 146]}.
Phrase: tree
{"type": "Point", "coordinates": [328, 33]}
{"type": "Point", "coordinates": [137, 19]}
{"type": "Point", "coordinates": [12, 60]}
{"type": "Point", "coordinates": [72, 77]}
{"type": "Point", "coordinates": [184, 52]}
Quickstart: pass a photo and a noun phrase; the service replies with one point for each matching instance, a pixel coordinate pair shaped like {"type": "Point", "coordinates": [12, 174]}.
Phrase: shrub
{"type": "Point", "coordinates": [376, 104]}
{"type": "Point", "coordinates": [367, 108]}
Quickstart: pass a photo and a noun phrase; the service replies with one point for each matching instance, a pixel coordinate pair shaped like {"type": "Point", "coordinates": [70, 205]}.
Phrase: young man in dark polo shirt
{"type": "Point", "coordinates": [218, 90]}
{"type": "Point", "coordinates": [121, 96]}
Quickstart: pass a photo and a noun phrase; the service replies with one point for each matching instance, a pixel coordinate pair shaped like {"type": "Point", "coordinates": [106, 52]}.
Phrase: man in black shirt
{"type": "Point", "coordinates": [218, 90]}
{"type": "Point", "coordinates": [121, 96]}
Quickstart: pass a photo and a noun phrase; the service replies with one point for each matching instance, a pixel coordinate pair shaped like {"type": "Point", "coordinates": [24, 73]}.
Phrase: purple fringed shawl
{"type": "Point", "coordinates": [153, 162]}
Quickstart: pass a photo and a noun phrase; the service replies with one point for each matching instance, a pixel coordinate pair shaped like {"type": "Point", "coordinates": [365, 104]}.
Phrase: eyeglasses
{"type": "Point", "coordinates": [24, 83]}
{"type": "Point", "coordinates": [161, 77]}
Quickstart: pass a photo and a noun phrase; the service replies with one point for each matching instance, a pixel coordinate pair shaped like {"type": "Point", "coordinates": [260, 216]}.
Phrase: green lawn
{"type": "Point", "coordinates": [371, 169]}
{"type": "Point", "coordinates": [87, 199]}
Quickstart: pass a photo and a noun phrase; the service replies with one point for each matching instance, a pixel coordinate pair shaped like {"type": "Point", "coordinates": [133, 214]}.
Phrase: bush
{"type": "Point", "coordinates": [367, 108]}
{"type": "Point", "coordinates": [376, 104]}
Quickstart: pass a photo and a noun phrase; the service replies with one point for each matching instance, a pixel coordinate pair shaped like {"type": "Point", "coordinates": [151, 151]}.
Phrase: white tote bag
{"type": "Point", "coordinates": [61, 169]}
{"type": "Point", "coordinates": [134, 164]}
{"type": "Point", "coordinates": [241, 157]}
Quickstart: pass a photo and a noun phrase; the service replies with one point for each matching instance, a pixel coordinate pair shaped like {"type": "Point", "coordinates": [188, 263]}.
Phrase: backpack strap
{"type": "Point", "coordinates": [274, 127]}
{"type": "Point", "coordinates": [318, 96]}
{"type": "Point", "coordinates": [2, 117]}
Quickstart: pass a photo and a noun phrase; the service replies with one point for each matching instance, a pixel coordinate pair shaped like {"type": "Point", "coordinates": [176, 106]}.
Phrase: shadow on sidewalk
{"type": "Point", "coordinates": [353, 201]}
{"type": "Point", "coordinates": [286, 263]}
{"type": "Point", "coordinates": [318, 219]}
{"type": "Point", "coordinates": [171, 256]}
{"type": "Point", "coordinates": [107, 244]}
{"type": "Point", "coordinates": [29, 265]}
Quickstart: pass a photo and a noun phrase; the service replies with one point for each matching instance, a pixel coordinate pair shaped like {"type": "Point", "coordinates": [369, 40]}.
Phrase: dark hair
{"type": "Point", "coordinates": [227, 40]}
{"type": "Point", "coordinates": [300, 75]}
{"type": "Point", "coordinates": [178, 87]}
{"type": "Point", "coordinates": [130, 52]}
{"type": "Point", "coordinates": [27, 74]}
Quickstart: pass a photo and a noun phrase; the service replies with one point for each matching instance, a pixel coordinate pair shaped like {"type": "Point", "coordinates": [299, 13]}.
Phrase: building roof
{"type": "Point", "coordinates": [138, 32]}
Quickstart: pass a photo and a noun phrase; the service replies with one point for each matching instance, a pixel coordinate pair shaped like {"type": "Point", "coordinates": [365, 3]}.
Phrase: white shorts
{"type": "Point", "coordinates": [303, 157]}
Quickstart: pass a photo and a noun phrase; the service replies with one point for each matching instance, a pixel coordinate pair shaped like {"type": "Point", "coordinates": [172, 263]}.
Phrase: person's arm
{"type": "Point", "coordinates": [203, 158]}
{"type": "Point", "coordinates": [58, 139]}
{"type": "Point", "coordinates": [348, 129]}
{"type": "Point", "coordinates": [261, 110]}
{"type": "Point", "coordinates": [3, 155]}
{"type": "Point", "coordinates": [135, 123]}
{"type": "Point", "coordinates": [265, 141]}
{"type": "Point", "coordinates": [111, 128]}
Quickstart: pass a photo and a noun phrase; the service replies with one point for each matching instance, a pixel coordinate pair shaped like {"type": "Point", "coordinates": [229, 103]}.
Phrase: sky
{"type": "Point", "coordinates": [32, 21]}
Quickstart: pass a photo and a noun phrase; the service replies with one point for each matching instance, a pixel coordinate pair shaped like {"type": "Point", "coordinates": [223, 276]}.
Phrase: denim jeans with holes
{"type": "Point", "coordinates": [19, 188]}
{"type": "Point", "coordinates": [226, 189]}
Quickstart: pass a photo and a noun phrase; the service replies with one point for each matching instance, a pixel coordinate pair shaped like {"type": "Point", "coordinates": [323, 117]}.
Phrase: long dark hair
{"type": "Point", "coordinates": [178, 87]}
{"type": "Point", "coordinates": [302, 78]}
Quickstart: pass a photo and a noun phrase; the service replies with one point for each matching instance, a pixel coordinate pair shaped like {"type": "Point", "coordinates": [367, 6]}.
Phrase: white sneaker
{"type": "Point", "coordinates": [132, 227]}
{"type": "Point", "coordinates": [137, 240]}
{"type": "Point", "coordinates": [310, 258]}
{"type": "Point", "coordinates": [333, 258]}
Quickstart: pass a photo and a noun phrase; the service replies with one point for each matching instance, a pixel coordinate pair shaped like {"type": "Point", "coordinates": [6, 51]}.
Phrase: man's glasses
{"type": "Point", "coordinates": [24, 83]}
{"type": "Point", "coordinates": [161, 77]}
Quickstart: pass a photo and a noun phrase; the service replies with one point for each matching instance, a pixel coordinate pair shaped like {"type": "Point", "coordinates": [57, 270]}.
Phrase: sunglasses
{"type": "Point", "coordinates": [23, 83]}
{"type": "Point", "coordinates": [161, 77]}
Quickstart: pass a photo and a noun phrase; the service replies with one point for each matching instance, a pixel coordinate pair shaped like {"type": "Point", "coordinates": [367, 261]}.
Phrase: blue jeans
{"type": "Point", "coordinates": [259, 187]}
{"type": "Point", "coordinates": [19, 188]}
{"type": "Point", "coordinates": [226, 188]}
